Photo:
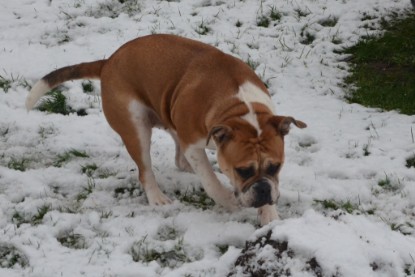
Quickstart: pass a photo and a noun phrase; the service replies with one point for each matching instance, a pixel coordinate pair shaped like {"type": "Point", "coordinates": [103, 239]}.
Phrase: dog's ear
{"type": "Point", "coordinates": [282, 123]}
{"type": "Point", "coordinates": [220, 134]}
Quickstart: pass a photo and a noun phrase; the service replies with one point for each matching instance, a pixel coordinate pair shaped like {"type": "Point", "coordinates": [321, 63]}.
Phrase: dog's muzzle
{"type": "Point", "coordinates": [262, 193]}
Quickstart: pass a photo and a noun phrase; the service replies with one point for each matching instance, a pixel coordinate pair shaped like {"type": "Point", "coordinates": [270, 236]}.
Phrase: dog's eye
{"type": "Point", "coordinates": [245, 172]}
{"type": "Point", "coordinates": [272, 169]}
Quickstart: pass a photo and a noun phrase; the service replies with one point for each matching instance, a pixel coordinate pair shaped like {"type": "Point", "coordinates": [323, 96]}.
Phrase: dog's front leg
{"type": "Point", "coordinates": [267, 213]}
{"type": "Point", "coordinates": [198, 160]}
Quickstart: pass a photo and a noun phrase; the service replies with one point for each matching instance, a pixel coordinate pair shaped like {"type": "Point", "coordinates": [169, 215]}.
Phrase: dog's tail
{"type": "Point", "coordinates": [90, 70]}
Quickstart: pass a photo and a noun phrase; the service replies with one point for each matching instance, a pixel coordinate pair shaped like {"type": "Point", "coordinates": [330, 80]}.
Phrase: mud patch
{"type": "Point", "coordinates": [267, 257]}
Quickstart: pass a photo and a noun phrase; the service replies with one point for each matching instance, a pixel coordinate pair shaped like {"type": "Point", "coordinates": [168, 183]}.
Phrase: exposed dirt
{"type": "Point", "coordinates": [268, 257]}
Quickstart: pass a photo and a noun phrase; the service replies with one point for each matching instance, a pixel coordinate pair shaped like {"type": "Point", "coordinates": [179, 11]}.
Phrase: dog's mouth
{"type": "Point", "coordinates": [262, 191]}
{"type": "Point", "coordinates": [257, 195]}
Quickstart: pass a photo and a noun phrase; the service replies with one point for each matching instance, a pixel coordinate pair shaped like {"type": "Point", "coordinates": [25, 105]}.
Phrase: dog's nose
{"type": "Point", "coordinates": [263, 194]}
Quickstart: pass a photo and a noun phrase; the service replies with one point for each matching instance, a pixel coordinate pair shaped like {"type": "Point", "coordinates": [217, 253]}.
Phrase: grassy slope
{"type": "Point", "coordinates": [384, 68]}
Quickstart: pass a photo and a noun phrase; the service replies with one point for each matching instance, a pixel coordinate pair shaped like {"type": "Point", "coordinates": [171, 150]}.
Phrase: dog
{"type": "Point", "coordinates": [203, 98]}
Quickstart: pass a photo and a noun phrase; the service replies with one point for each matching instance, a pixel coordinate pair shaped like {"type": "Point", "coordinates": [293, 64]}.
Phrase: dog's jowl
{"type": "Point", "coordinates": [204, 98]}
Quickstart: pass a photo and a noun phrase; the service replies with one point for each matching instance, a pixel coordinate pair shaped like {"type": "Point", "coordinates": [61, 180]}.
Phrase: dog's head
{"type": "Point", "coordinates": [252, 157]}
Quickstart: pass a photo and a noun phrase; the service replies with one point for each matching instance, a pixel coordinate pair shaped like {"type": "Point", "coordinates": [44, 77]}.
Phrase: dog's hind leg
{"type": "Point", "coordinates": [133, 122]}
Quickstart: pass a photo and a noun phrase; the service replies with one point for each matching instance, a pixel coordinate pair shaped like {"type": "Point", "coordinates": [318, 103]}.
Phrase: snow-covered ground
{"type": "Point", "coordinates": [70, 203]}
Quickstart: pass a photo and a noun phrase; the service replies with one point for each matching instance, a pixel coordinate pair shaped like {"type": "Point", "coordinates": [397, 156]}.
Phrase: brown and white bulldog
{"type": "Point", "coordinates": [201, 96]}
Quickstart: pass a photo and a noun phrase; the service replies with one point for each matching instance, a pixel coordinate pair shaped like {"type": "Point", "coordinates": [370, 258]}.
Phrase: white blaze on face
{"type": "Point", "coordinates": [249, 93]}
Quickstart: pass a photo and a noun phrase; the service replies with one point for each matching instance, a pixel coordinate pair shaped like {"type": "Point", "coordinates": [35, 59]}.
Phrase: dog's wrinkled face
{"type": "Point", "coordinates": [253, 160]}
{"type": "Point", "coordinates": [252, 165]}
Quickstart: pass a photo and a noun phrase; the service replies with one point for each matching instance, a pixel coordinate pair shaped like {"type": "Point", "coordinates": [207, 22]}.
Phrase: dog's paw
{"type": "Point", "coordinates": [267, 213]}
{"type": "Point", "coordinates": [156, 197]}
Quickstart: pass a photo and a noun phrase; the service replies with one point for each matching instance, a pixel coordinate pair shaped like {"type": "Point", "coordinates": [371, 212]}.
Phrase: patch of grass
{"type": "Point", "coordinates": [56, 189]}
{"type": "Point", "coordinates": [384, 182]}
{"type": "Point", "coordinates": [274, 14]}
{"type": "Point", "coordinates": [89, 169]}
{"type": "Point", "coordinates": [18, 164]}
{"type": "Point", "coordinates": [24, 83]}
{"type": "Point", "coordinates": [366, 151]}
{"type": "Point", "coordinates": [63, 37]}
{"type": "Point", "coordinates": [202, 28]}
{"type": "Point", "coordinates": [113, 9]}
{"type": "Point", "coordinates": [105, 173]}
{"type": "Point", "coordinates": [41, 212]}
{"type": "Point", "coordinates": [68, 155]}
{"type": "Point", "coordinates": [68, 210]}
{"type": "Point", "coordinates": [4, 130]}
{"type": "Point", "coordinates": [88, 87]}
{"type": "Point", "coordinates": [55, 103]}
{"type": "Point", "coordinates": [383, 68]}
{"type": "Point", "coordinates": [410, 269]}
{"type": "Point", "coordinates": [263, 21]}
{"type": "Point", "coordinates": [336, 40]}
{"type": "Point", "coordinates": [81, 112]}
{"type": "Point", "coordinates": [196, 198]}
{"type": "Point", "coordinates": [5, 84]}
{"type": "Point", "coordinates": [79, 154]}
{"type": "Point", "coordinates": [389, 185]}
{"type": "Point", "coordinates": [406, 228]}
{"type": "Point", "coordinates": [367, 16]}
{"type": "Point", "coordinates": [105, 214]}
{"type": "Point", "coordinates": [252, 64]}
{"type": "Point", "coordinates": [265, 81]}
{"type": "Point", "coordinates": [72, 240]}
{"type": "Point", "coordinates": [167, 232]}
{"type": "Point", "coordinates": [301, 12]}
{"type": "Point", "coordinates": [19, 219]}
{"type": "Point", "coordinates": [128, 190]}
{"type": "Point", "coordinates": [330, 204]}
{"type": "Point", "coordinates": [11, 257]}
{"type": "Point", "coordinates": [171, 257]}
{"type": "Point", "coordinates": [223, 248]}
{"type": "Point", "coordinates": [330, 21]}
{"type": "Point", "coordinates": [410, 162]}
{"type": "Point", "coordinates": [253, 45]}
{"type": "Point", "coordinates": [307, 142]}
{"type": "Point", "coordinates": [348, 206]}
{"type": "Point", "coordinates": [86, 190]}
{"type": "Point", "coordinates": [306, 37]}
{"type": "Point", "coordinates": [45, 132]}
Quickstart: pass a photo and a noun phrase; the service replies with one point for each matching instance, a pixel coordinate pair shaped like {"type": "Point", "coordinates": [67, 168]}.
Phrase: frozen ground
{"type": "Point", "coordinates": [70, 204]}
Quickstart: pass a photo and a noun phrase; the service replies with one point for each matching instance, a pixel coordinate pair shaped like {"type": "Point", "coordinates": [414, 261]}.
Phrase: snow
{"type": "Point", "coordinates": [358, 242]}
{"type": "Point", "coordinates": [325, 161]}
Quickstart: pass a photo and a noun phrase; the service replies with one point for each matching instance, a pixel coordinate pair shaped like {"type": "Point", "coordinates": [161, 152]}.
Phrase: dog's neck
{"type": "Point", "coordinates": [224, 110]}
